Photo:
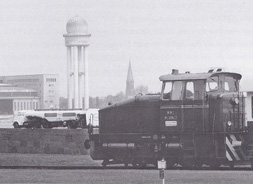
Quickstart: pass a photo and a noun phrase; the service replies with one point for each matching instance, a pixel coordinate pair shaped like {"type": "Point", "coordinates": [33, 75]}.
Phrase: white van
{"type": "Point", "coordinates": [51, 118]}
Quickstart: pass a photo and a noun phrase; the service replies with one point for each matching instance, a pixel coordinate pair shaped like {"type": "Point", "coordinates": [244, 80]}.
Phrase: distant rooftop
{"type": "Point", "coordinates": [26, 75]}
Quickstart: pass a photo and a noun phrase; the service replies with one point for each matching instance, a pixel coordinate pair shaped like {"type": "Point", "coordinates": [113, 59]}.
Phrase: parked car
{"type": "Point", "coordinates": [54, 118]}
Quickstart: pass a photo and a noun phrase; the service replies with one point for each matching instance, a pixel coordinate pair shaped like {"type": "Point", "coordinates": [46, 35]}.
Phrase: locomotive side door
{"type": "Point", "coordinates": [193, 107]}
{"type": "Point", "coordinates": [170, 109]}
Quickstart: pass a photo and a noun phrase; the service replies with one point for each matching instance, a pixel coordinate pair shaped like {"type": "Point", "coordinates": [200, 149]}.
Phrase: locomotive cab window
{"type": "Point", "coordinates": [173, 91]}
{"type": "Point", "coordinates": [189, 93]}
{"type": "Point", "coordinates": [231, 84]}
{"type": "Point", "coordinates": [195, 90]}
{"type": "Point", "coordinates": [187, 90]}
{"type": "Point", "coordinates": [212, 84]}
{"type": "Point", "coordinates": [167, 90]}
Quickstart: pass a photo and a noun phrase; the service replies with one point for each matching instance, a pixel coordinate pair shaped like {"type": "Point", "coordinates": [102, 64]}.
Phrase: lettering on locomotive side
{"type": "Point", "coordinates": [172, 117]}
{"type": "Point", "coordinates": [146, 137]}
{"type": "Point", "coordinates": [170, 123]}
{"type": "Point", "coordinates": [170, 112]}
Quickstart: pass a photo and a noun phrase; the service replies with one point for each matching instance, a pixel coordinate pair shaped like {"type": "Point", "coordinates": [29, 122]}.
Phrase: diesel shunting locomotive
{"type": "Point", "coordinates": [196, 119]}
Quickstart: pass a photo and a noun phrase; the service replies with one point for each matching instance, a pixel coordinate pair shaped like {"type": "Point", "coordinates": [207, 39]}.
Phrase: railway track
{"type": "Point", "coordinates": [239, 168]}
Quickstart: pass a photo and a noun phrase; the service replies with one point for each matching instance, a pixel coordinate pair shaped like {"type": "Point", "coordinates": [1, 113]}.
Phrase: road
{"type": "Point", "coordinates": [123, 176]}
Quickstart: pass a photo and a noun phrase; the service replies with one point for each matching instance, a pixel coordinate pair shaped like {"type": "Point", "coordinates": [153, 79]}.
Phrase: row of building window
{"type": "Point", "coordinates": [8, 94]}
{"type": "Point", "coordinates": [22, 80]}
{"type": "Point", "coordinates": [25, 105]}
{"type": "Point", "coordinates": [51, 79]}
{"type": "Point", "coordinates": [28, 85]}
{"type": "Point", "coordinates": [51, 101]}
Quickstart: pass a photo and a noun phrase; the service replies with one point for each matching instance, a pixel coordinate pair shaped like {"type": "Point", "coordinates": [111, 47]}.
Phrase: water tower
{"type": "Point", "coordinates": [77, 42]}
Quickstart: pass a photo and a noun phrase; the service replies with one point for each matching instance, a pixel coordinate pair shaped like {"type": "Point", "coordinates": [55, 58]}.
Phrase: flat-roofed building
{"type": "Point", "coordinates": [46, 85]}
{"type": "Point", "coordinates": [14, 98]}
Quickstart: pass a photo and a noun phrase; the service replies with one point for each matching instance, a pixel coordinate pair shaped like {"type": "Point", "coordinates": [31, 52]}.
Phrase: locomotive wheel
{"type": "Point", "coordinates": [139, 165]}
{"type": "Point", "coordinates": [170, 163]}
{"type": "Point", "coordinates": [104, 165]}
{"type": "Point", "coordinates": [155, 164]}
{"type": "Point", "coordinates": [134, 165]}
{"type": "Point", "coordinates": [105, 162]}
{"type": "Point", "coordinates": [231, 165]}
{"type": "Point", "coordinates": [188, 163]}
{"type": "Point", "coordinates": [143, 165]}
{"type": "Point", "coordinates": [198, 164]}
{"type": "Point", "coordinates": [214, 164]}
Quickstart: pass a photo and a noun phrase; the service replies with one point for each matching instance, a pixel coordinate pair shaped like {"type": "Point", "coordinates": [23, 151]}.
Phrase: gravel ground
{"type": "Point", "coordinates": [123, 176]}
{"type": "Point", "coordinates": [104, 176]}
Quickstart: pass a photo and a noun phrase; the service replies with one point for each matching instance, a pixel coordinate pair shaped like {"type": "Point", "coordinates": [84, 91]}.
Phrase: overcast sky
{"type": "Point", "coordinates": [156, 35]}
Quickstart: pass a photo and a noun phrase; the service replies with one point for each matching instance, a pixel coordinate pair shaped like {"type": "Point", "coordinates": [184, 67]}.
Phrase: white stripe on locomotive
{"type": "Point", "coordinates": [229, 145]}
{"type": "Point", "coordinates": [238, 153]}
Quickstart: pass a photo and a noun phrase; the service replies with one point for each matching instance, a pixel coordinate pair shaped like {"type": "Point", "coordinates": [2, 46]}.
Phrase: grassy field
{"type": "Point", "coordinates": [12, 159]}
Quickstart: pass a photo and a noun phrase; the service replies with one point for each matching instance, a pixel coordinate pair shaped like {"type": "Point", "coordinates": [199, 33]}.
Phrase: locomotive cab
{"type": "Point", "coordinates": [207, 102]}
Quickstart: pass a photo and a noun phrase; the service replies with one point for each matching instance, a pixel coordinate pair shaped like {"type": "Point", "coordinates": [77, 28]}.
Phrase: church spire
{"type": "Point", "coordinates": [130, 82]}
{"type": "Point", "coordinates": [130, 77]}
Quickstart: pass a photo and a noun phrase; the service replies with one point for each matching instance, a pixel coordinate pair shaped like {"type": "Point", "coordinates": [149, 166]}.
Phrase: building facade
{"type": "Point", "coordinates": [14, 98]}
{"type": "Point", "coordinates": [46, 86]}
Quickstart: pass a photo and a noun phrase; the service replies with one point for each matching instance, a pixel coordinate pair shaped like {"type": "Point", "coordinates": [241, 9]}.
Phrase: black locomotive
{"type": "Point", "coordinates": [197, 119]}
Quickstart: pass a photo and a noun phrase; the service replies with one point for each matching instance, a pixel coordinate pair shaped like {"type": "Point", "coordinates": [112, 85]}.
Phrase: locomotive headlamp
{"type": "Point", "coordinates": [155, 137]}
{"type": "Point", "coordinates": [234, 101]}
{"type": "Point", "coordinates": [229, 123]}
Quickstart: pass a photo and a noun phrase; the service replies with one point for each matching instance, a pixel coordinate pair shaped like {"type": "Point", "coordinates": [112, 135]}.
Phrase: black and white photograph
{"type": "Point", "coordinates": [126, 92]}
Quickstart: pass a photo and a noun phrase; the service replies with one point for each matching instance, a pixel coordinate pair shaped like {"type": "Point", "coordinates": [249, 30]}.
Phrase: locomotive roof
{"type": "Point", "coordinates": [196, 76]}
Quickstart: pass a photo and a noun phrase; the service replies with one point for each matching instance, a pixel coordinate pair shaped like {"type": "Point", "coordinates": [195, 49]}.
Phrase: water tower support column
{"type": "Point", "coordinates": [86, 72]}
{"type": "Point", "coordinates": [81, 76]}
{"type": "Point", "coordinates": [69, 77]}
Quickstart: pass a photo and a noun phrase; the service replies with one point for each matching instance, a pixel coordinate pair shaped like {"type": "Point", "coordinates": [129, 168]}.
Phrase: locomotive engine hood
{"type": "Point", "coordinates": [135, 115]}
{"type": "Point", "coordinates": [137, 100]}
